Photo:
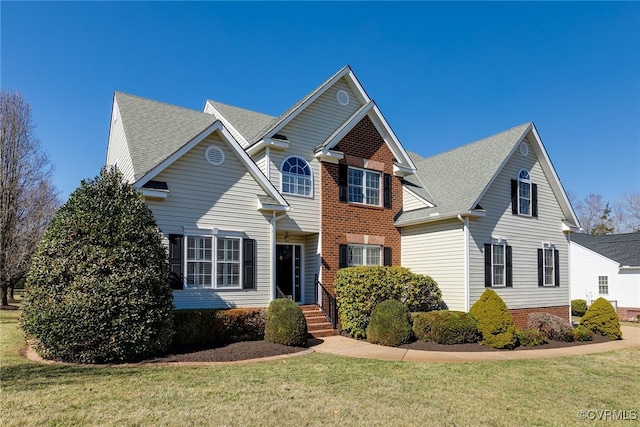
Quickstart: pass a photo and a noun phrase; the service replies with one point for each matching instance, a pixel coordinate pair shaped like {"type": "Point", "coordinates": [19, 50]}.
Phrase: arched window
{"type": "Point", "coordinates": [524, 192]}
{"type": "Point", "coordinates": [296, 177]}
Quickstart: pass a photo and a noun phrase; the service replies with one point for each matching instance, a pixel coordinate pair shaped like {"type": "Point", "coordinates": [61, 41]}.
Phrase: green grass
{"type": "Point", "coordinates": [317, 389]}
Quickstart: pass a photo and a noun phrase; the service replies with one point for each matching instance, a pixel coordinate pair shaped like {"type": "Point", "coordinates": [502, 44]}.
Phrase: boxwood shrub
{"type": "Point", "coordinates": [531, 337]}
{"type": "Point", "coordinates": [578, 307]}
{"type": "Point", "coordinates": [390, 324]}
{"type": "Point", "coordinates": [195, 328]}
{"type": "Point", "coordinates": [602, 319]}
{"type": "Point", "coordinates": [446, 327]}
{"type": "Point", "coordinates": [360, 289]}
{"type": "Point", "coordinates": [580, 333]}
{"type": "Point", "coordinates": [285, 323]}
{"type": "Point", "coordinates": [98, 288]}
{"type": "Point", "coordinates": [495, 323]}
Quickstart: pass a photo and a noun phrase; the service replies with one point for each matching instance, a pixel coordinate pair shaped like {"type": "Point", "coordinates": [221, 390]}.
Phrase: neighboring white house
{"type": "Point", "coordinates": [608, 267]}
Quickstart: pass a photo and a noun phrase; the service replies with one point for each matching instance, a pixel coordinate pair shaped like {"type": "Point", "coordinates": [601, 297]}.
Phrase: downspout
{"type": "Point", "coordinates": [465, 228]}
{"type": "Point", "coordinates": [272, 259]}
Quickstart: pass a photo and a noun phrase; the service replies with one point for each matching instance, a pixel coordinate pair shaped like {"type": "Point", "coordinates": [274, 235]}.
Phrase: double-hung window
{"type": "Point", "coordinates": [217, 262]}
{"type": "Point", "coordinates": [548, 265]}
{"type": "Point", "coordinates": [364, 255]}
{"type": "Point", "coordinates": [498, 264]}
{"type": "Point", "coordinates": [603, 285]}
{"type": "Point", "coordinates": [364, 186]}
{"type": "Point", "coordinates": [524, 195]}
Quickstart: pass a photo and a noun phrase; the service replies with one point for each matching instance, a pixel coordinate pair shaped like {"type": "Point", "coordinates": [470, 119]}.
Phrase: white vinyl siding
{"type": "Point", "coordinates": [587, 266]}
{"type": "Point", "coordinates": [305, 133]}
{"type": "Point", "coordinates": [118, 150]}
{"type": "Point", "coordinates": [525, 235]}
{"type": "Point", "coordinates": [437, 250]}
{"type": "Point", "coordinates": [223, 197]}
{"type": "Point", "coordinates": [410, 202]}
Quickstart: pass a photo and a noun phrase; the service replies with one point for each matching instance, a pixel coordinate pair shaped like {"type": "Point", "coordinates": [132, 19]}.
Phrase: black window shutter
{"type": "Point", "coordinates": [534, 200]}
{"type": "Point", "coordinates": [343, 172]}
{"type": "Point", "coordinates": [487, 265]}
{"type": "Point", "coordinates": [387, 190]}
{"type": "Point", "coordinates": [514, 197]}
{"type": "Point", "coordinates": [175, 260]}
{"type": "Point", "coordinates": [387, 256]}
{"type": "Point", "coordinates": [556, 267]}
{"type": "Point", "coordinates": [344, 256]}
{"type": "Point", "coordinates": [509, 267]}
{"type": "Point", "coordinates": [540, 267]}
{"type": "Point", "coordinates": [249, 263]}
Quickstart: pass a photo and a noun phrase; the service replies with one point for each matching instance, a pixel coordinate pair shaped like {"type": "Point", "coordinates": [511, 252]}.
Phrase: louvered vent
{"type": "Point", "coordinates": [342, 97]}
{"type": "Point", "coordinates": [214, 155]}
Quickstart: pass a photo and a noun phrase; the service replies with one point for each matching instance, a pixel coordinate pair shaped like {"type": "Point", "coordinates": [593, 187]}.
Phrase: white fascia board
{"type": "Point", "coordinates": [264, 207]}
{"type": "Point", "coordinates": [402, 171]}
{"type": "Point", "coordinates": [330, 156]}
{"type": "Point", "coordinates": [267, 142]}
{"type": "Point", "coordinates": [218, 115]}
{"type": "Point", "coordinates": [114, 107]}
{"type": "Point", "coordinates": [549, 170]}
{"type": "Point", "coordinates": [346, 127]}
{"type": "Point", "coordinates": [151, 193]}
{"type": "Point", "coordinates": [395, 146]}
{"type": "Point", "coordinates": [435, 217]}
{"type": "Point", "coordinates": [504, 162]}
{"type": "Point", "coordinates": [421, 199]}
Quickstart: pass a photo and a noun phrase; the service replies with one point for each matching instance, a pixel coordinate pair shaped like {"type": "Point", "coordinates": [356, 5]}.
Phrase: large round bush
{"type": "Point", "coordinates": [390, 324]}
{"type": "Point", "coordinates": [360, 289]}
{"type": "Point", "coordinates": [285, 323]}
{"type": "Point", "coordinates": [495, 323]}
{"type": "Point", "coordinates": [98, 288]}
{"type": "Point", "coordinates": [602, 319]}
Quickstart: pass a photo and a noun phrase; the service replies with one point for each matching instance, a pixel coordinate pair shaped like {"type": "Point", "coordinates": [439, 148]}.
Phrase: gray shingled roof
{"type": "Point", "coordinates": [249, 123]}
{"type": "Point", "coordinates": [155, 130]}
{"type": "Point", "coordinates": [622, 248]}
{"type": "Point", "coordinates": [456, 179]}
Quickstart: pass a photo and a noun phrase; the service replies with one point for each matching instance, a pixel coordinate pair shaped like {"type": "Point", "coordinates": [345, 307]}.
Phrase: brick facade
{"type": "Point", "coordinates": [626, 313]}
{"type": "Point", "coordinates": [520, 315]}
{"type": "Point", "coordinates": [343, 222]}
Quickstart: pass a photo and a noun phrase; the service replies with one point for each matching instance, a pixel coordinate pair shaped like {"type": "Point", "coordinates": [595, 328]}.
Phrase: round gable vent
{"type": "Point", "coordinates": [524, 148]}
{"type": "Point", "coordinates": [214, 155]}
{"type": "Point", "coordinates": [342, 97]}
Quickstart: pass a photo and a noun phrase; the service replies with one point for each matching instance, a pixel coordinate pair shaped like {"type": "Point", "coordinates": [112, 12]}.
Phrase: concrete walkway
{"type": "Point", "coordinates": [349, 347]}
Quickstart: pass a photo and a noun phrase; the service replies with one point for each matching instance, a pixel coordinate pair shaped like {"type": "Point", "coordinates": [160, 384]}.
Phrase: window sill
{"type": "Point", "coordinates": [364, 205]}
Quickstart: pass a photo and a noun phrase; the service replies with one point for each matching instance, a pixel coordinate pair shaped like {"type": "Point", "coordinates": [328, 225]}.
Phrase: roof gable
{"type": "Point", "coordinates": [247, 123]}
{"type": "Point", "coordinates": [621, 248]}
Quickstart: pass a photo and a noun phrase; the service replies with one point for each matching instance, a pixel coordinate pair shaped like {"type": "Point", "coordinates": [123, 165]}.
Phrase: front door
{"type": "Point", "coordinates": [288, 263]}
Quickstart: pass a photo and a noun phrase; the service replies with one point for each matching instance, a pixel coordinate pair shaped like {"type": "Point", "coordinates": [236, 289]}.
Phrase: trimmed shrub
{"type": "Point", "coordinates": [495, 323]}
{"type": "Point", "coordinates": [531, 337]}
{"type": "Point", "coordinates": [446, 327]}
{"type": "Point", "coordinates": [208, 326]}
{"type": "Point", "coordinates": [580, 333]}
{"type": "Point", "coordinates": [285, 323]}
{"type": "Point", "coordinates": [554, 327]}
{"type": "Point", "coordinates": [602, 318]}
{"type": "Point", "coordinates": [578, 307]}
{"type": "Point", "coordinates": [360, 289]}
{"type": "Point", "coordinates": [98, 288]}
{"type": "Point", "coordinates": [390, 324]}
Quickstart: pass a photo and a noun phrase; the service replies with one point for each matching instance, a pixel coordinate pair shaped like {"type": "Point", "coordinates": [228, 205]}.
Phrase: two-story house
{"type": "Point", "coordinates": [255, 207]}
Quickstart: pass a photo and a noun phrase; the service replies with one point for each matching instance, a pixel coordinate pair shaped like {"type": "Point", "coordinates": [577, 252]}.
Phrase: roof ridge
{"type": "Point", "coordinates": [213, 101]}
{"type": "Point", "coordinates": [157, 102]}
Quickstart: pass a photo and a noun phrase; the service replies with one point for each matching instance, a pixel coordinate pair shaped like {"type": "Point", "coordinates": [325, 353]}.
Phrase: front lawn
{"type": "Point", "coordinates": [318, 389]}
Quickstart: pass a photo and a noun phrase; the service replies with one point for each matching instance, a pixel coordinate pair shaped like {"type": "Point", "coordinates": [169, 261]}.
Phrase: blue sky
{"type": "Point", "coordinates": [443, 74]}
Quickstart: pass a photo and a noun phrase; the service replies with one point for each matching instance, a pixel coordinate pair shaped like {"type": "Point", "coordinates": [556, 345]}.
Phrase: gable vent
{"type": "Point", "coordinates": [342, 97]}
{"type": "Point", "coordinates": [214, 155]}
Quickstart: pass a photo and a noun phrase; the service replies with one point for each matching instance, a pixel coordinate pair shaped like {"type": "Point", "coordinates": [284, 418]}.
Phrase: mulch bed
{"type": "Point", "coordinates": [233, 352]}
{"type": "Point", "coordinates": [431, 346]}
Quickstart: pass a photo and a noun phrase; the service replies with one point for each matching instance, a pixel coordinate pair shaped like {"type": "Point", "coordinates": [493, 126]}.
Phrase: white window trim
{"type": "Point", "coordinates": [364, 186]}
{"type": "Point", "coordinates": [529, 183]}
{"type": "Point", "coordinates": [548, 247]}
{"type": "Point", "coordinates": [365, 248]}
{"type": "Point", "coordinates": [214, 234]}
{"type": "Point", "coordinates": [502, 244]}
{"type": "Point", "coordinates": [600, 284]}
{"type": "Point", "coordinates": [310, 195]}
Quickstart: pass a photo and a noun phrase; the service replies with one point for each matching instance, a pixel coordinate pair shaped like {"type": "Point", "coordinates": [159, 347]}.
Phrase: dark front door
{"type": "Point", "coordinates": [288, 272]}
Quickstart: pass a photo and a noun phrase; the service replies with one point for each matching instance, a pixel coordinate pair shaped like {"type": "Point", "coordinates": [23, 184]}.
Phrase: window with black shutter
{"type": "Point", "coordinates": [175, 260]}
{"type": "Point", "coordinates": [387, 190]}
{"type": "Point", "coordinates": [249, 264]}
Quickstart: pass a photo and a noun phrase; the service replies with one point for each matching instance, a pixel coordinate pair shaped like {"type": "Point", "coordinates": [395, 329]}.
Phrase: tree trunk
{"type": "Point", "coordinates": [3, 295]}
{"type": "Point", "coordinates": [11, 296]}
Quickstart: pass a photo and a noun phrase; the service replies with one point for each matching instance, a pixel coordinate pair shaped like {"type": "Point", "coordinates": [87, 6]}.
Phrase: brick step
{"type": "Point", "coordinates": [317, 323]}
{"type": "Point", "coordinates": [316, 319]}
{"type": "Point", "coordinates": [324, 333]}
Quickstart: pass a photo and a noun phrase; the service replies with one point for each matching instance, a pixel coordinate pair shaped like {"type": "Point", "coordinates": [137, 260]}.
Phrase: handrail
{"type": "Point", "coordinates": [327, 303]}
{"type": "Point", "coordinates": [279, 293]}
